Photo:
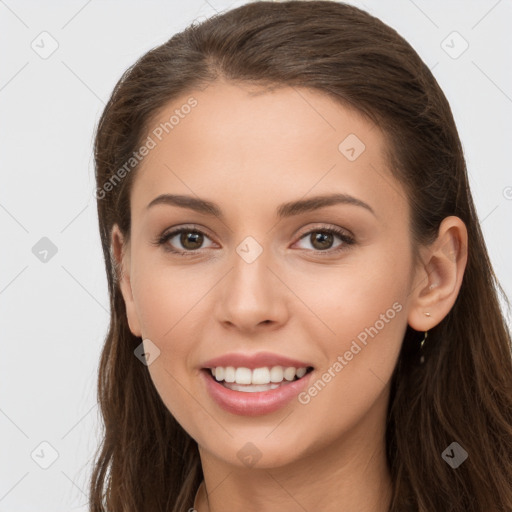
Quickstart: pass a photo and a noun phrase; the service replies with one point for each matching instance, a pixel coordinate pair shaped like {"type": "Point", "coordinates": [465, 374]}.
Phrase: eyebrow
{"type": "Point", "coordinates": [285, 210]}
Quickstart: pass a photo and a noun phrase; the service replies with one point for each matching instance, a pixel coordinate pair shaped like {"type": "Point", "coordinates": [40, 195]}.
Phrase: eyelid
{"type": "Point", "coordinates": [327, 227]}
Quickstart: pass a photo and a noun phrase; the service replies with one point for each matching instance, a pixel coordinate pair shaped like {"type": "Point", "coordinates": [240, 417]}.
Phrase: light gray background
{"type": "Point", "coordinates": [53, 314]}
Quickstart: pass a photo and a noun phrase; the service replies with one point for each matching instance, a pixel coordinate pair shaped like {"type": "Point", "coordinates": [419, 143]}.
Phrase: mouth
{"type": "Point", "coordinates": [256, 380]}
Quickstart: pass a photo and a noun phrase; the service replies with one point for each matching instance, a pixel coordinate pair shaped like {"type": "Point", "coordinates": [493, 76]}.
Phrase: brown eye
{"type": "Point", "coordinates": [321, 240]}
{"type": "Point", "coordinates": [191, 240]}
{"type": "Point", "coordinates": [183, 241]}
{"type": "Point", "coordinates": [324, 240]}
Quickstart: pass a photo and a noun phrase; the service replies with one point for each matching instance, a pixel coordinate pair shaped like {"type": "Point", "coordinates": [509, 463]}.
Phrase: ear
{"type": "Point", "coordinates": [439, 275]}
{"type": "Point", "coordinates": [121, 254]}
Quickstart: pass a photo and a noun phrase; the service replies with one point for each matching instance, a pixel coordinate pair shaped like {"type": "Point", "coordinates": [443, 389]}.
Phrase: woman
{"type": "Point", "coordinates": [303, 311]}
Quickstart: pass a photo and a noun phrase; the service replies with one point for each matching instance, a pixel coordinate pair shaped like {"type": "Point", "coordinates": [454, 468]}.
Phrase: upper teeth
{"type": "Point", "coordinates": [263, 375]}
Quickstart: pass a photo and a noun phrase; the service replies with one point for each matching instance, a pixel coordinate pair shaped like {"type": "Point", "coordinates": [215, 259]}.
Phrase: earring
{"type": "Point", "coordinates": [422, 357]}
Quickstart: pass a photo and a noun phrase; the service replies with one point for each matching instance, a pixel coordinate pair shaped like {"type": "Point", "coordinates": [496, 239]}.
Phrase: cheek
{"type": "Point", "coordinates": [164, 296]}
{"type": "Point", "coordinates": [368, 334]}
{"type": "Point", "coordinates": [170, 311]}
{"type": "Point", "coordinates": [363, 310]}
{"type": "Point", "coordinates": [359, 362]}
{"type": "Point", "coordinates": [359, 299]}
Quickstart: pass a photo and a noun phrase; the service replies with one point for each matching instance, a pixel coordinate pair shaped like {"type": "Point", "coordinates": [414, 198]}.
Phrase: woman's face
{"type": "Point", "coordinates": [265, 276]}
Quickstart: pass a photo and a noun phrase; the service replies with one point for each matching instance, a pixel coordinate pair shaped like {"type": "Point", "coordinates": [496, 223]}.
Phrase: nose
{"type": "Point", "coordinates": [252, 296]}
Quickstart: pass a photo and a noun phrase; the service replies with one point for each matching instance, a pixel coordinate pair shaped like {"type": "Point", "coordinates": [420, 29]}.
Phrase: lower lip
{"type": "Point", "coordinates": [253, 403]}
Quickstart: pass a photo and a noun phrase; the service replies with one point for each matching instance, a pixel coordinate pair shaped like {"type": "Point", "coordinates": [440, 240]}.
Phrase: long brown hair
{"type": "Point", "coordinates": [463, 391]}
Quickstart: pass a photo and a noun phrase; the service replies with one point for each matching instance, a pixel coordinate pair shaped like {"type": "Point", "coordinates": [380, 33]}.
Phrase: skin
{"type": "Point", "coordinates": [249, 151]}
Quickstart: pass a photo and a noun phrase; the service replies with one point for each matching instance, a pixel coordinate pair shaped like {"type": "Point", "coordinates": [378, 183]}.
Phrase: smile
{"type": "Point", "coordinates": [264, 390]}
{"type": "Point", "coordinates": [258, 379]}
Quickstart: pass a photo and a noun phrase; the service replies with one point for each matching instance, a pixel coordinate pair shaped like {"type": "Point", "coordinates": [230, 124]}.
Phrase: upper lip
{"type": "Point", "coordinates": [259, 360]}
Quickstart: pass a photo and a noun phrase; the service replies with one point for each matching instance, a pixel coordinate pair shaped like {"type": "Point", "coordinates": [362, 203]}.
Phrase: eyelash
{"type": "Point", "coordinates": [346, 239]}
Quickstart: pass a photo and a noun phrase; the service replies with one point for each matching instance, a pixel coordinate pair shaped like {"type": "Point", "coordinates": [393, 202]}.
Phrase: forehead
{"type": "Point", "coordinates": [247, 144]}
